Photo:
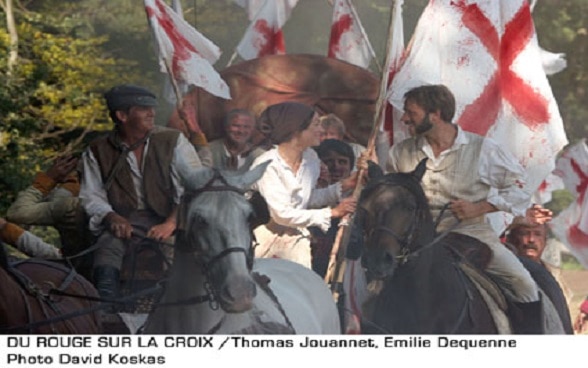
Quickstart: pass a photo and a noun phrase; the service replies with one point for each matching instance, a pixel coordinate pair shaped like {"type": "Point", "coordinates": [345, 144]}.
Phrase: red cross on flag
{"type": "Point", "coordinates": [183, 52]}
{"type": "Point", "coordinates": [348, 41]}
{"type": "Point", "coordinates": [486, 52]}
{"type": "Point", "coordinates": [264, 35]}
{"type": "Point", "coordinates": [571, 225]}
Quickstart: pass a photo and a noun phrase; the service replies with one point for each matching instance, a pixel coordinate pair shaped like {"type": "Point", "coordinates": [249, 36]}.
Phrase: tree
{"type": "Point", "coordinates": [562, 28]}
{"type": "Point", "coordinates": [53, 95]}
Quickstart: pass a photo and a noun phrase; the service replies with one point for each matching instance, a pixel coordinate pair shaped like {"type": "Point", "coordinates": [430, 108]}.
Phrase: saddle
{"type": "Point", "coordinates": [473, 257]}
{"type": "Point", "coordinates": [144, 265]}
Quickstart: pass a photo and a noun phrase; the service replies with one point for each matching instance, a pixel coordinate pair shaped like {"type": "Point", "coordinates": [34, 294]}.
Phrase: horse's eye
{"type": "Point", "coordinates": [199, 222]}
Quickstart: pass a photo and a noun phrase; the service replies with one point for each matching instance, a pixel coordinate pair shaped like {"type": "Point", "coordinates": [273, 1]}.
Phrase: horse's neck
{"type": "Point", "coordinates": [187, 282]}
{"type": "Point", "coordinates": [3, 256]}
{"type": "Point", "coordinates": [425, 232]}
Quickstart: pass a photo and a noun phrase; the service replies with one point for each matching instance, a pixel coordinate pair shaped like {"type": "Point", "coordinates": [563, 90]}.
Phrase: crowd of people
{"type": "Point", "coordinates": [125, 189]}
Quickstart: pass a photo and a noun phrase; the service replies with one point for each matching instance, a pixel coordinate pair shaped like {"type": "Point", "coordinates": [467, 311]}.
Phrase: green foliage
{"type": "Point", "coordinates": [52, 97]}
{"type": "Point", "coordinates": [561, 199]}
{"type": "Point", "coordinates": [569, 262]}
{"type": "Point", "coordinates": [561, 27]}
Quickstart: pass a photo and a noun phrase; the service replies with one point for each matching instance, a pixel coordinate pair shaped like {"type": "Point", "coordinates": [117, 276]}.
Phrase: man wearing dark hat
{"type": "Point", "coordinates": [130, 186]}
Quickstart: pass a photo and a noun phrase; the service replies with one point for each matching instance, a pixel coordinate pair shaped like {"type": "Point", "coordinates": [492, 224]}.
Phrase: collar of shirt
{"type": "Point", "coordinates": [460, 139]}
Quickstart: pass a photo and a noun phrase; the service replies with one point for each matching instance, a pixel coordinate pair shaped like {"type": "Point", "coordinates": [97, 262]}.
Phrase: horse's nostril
{"type": "Point", "coordinates": [388, 258]}
{"type": "Point", "coordinates": [238, 295]}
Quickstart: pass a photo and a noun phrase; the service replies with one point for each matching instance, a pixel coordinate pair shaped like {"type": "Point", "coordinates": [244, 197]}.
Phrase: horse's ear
{"type": "Point", "coordinates": [249, 177]}
{"type": "Point", "coordinates": [419, 172]}
{"type": "Point", "coordinates": [193, 177]}
{"type": "Point", "coordinates": [374, 170]}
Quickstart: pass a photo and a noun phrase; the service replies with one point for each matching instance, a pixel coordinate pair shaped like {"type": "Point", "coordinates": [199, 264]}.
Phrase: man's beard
{"type": "Point", "coordinates": [424, 126]}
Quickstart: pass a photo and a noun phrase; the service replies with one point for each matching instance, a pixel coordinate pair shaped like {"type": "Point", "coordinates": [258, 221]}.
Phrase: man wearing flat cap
{"type": "Point", "coordinates": [130, 186]}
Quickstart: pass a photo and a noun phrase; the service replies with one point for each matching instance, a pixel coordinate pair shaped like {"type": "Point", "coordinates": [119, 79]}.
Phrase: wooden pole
{"type": "Point", "coordinates": [337, 261]}
{"type": "Point", "coordinates": [179, 99]}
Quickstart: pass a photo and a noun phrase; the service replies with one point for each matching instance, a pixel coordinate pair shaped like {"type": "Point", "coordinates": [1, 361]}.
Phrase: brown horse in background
{"type": "Point", "coordinates": [42, 297]}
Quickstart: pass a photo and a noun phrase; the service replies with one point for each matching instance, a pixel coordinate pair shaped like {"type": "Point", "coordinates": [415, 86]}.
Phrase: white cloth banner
{"type": "Point", "coordinates": [348, 40]}
{"type": "Point", "coordinates": [571, 225]}
{"type": "Point", "coordinates": [397, 53]}
{"type": "Point", "coordinates": [252, 7]}
{"type": "Point", "coordinates": [183, 51]}
{"type": "Point", "coordinates": [487, 53]}
{"type": "Point", "coordinates": [168, 89]}
{"type": "Point", "coordinates": [264, 35]}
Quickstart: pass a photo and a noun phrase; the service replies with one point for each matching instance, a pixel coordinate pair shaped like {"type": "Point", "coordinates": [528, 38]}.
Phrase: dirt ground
{"type": "Point", "coordinates": [577, 282]}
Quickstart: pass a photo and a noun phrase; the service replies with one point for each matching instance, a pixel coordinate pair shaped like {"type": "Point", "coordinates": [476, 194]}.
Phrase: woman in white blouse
{"type": "Point", "coordinates": [289, 184]}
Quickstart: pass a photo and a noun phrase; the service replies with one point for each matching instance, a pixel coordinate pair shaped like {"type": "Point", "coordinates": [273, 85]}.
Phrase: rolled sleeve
{"type": "Point", "coordinates": [502, 171]}
{"type": "Point", "coordinates": [183, 152]}
{"type": "Point", "coordinates": [284, 209]}
{"type": "Point", "coordinates": [93, 197]}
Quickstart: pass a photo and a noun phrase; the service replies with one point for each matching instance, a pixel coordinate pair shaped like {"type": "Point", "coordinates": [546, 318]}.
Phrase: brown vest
{"type": "Point", "coordinates": [157, 181]}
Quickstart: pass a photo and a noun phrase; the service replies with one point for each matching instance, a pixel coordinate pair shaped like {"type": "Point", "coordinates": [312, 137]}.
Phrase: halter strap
{"type": "Point", "coordinates": [208, 187]}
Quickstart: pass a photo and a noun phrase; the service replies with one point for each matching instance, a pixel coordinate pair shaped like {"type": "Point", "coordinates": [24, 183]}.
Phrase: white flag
{"type": "Point", "coordinates": [553, 62]}
{"type": "Point", "coordinates": [264, 35]}
{"type": "Point", "coordinates": [183, 51]}
{"type": "Point", "coordinates": [487, 53]}
{"type": "Point", "coordinates": [168, 90]}
{"type": "Point", "coordinates": [348, 41]}
{"type": "Point", "coordinates": [392, 125]}
{"type": "Point", "coordinates": [571, 225]}
{"type": "Point", "coordinates": [252, 6]}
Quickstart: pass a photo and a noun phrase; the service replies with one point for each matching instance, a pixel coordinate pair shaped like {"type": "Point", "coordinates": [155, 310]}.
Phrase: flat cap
{"type": "Point", "coordinates": [126, 95]}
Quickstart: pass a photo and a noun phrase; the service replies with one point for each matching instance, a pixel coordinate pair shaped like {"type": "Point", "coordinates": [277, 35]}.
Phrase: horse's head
{"type": "Point", "coordinates": [215, 226]}
{"type": "Point", "coordinates": [394, 216]}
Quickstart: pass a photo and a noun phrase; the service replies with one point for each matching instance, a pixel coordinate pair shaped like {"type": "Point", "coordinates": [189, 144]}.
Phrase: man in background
{"type": "Point", "coordinates": [234, 151]}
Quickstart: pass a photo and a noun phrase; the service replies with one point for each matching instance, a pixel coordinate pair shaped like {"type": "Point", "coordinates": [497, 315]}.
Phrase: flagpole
{"type": "Point", "coordinates": [252, 20]}
{"type": "Point", "coordinates": [179, 98]}
{"type": "Point", "coordinates": [364, 34]}
{"type": "Point", "coordinates": [337, 261]}
{"type": "Point", "coordinates": [232, 59]}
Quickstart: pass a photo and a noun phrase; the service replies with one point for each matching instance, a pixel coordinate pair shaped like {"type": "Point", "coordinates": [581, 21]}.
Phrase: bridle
{"type": "Point", "coordinates": [206, 262]}
{"type": "Point", "coordinates": [406, 240]}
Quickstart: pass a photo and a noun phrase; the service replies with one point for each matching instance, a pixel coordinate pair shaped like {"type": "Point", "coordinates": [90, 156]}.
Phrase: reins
{"type": "Point", "coordinates": [209, 262]}
{"type": "Point", "coordinates": [406, 253]}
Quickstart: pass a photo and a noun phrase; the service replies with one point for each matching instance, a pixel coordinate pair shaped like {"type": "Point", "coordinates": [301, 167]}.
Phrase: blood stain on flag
{"type": "Point", "coordinates": [271, 42]}
{"type": "Point", "coordinates": [181, 45]}
{"type": "Point", "coordinates": [342, 25]}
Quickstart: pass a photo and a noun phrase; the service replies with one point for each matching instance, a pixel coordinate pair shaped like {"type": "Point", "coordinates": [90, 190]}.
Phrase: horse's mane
{"type": "Point", "coordinates": [406, 180]}
{"type": "Point", "coordinates": [3, 256]}
{"type": "Point", "coordinates": [411, 183]}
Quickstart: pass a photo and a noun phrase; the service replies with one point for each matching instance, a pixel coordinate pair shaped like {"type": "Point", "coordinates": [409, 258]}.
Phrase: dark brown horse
{"type": "Point", "coordinates": [424, 290]}
{"type": "Point", "coordinates": [35, 298]}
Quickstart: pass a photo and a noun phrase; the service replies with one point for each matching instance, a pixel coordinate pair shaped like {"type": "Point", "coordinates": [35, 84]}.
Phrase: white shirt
{"type": "Point", "coordinates": [494, 168]}
{"type": "Point", "coordinates": [94, 197]}
{"type": "Point", "coordinates": [293, 198]}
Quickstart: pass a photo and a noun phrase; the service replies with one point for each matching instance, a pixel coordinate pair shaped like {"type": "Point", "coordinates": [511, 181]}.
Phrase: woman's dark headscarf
{"type": "Point", "coordinates": [281, 121]}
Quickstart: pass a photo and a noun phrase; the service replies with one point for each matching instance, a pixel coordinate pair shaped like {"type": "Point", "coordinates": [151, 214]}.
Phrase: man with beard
{"type": "Point", "coordinates": [234, 151]}
{"type": "Point", "coordinates": [473, 175]}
